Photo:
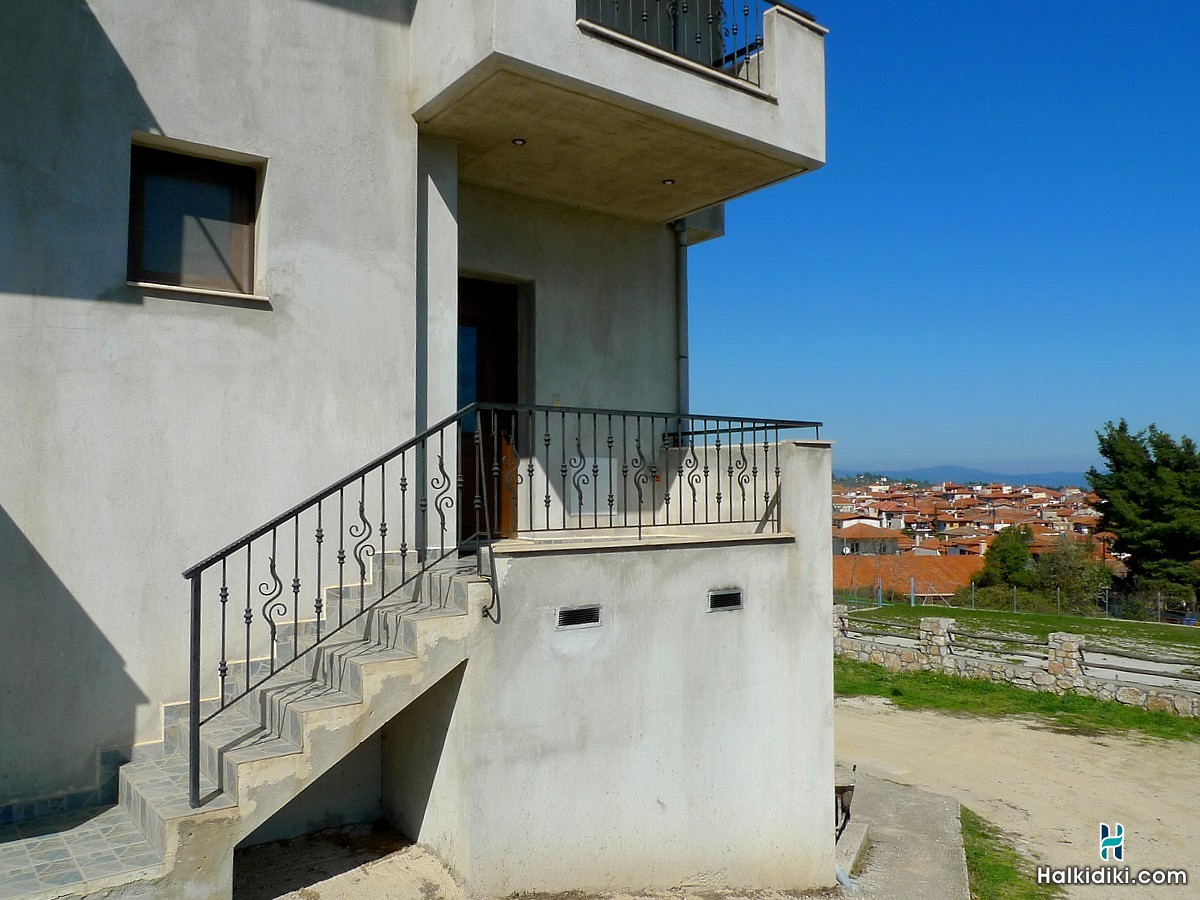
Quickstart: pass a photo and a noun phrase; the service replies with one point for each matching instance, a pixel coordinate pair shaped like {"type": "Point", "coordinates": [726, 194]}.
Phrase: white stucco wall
{"type": "Point", "coordinates": [668, 745]}
{"type": "Point", "coordinates": [145, 429]}
{"type": "Point", "coordinates": [603, 292]}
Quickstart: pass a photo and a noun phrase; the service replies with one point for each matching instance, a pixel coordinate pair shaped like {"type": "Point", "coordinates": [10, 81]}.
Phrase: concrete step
{"type": "Point", "coordinates": [154, 789]}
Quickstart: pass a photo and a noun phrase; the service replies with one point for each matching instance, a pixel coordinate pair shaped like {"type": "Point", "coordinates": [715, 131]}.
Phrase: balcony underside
{"type": "Point", "coordinates": [596, 153]}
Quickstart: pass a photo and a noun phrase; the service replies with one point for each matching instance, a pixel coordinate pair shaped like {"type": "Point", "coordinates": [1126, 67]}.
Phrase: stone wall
{"type": "Point", "coordinates": [1062, 672]}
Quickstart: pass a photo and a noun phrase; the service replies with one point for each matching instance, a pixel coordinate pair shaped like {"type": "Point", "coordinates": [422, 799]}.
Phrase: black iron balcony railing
{"type": "Point", "coordinates": [726, 35]}
{"type": "Point", "coordinates": [278, 593]}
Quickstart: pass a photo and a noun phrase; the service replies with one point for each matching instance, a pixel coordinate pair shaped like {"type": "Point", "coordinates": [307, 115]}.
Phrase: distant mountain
{"type": "Point", "coordinates": [964, 475]}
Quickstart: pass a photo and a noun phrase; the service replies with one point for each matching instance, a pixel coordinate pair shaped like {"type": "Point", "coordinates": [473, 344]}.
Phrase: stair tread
{"type": "Point", "coordinates": [162, 781]}
{"type": "Point", "coordinates": [435, 613]}
{"type": "Point", "coordinates": [307, 695]}
{"type": "Point", "coordinates": [365, 651]}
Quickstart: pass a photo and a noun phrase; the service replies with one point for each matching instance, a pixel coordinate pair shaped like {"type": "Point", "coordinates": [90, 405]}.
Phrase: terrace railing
{"type": "Point", "coordinates": [282, 590]}
{"type": "Point", "coordinates": [726, 35]}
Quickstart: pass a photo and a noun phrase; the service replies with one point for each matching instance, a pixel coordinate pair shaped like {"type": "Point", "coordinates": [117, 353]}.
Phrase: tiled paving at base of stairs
{"type": "Point", "coordinates": [49, 854]}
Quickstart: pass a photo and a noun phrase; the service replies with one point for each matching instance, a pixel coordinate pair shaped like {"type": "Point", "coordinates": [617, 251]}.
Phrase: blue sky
{"type": "Point", "coordinates": [1001, 253]}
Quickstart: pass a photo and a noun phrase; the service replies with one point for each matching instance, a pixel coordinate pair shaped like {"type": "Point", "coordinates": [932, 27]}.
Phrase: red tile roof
{"type": "Point", "coordinates": [867, 532]}
{"type": "Point", "coordinates": [933, 575]}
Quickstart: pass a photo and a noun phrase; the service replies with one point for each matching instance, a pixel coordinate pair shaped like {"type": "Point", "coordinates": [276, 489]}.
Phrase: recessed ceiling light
{"type": "Point", "coordinates": [668, 181]}
{"type": "Point", "coordinates": [520, 142]}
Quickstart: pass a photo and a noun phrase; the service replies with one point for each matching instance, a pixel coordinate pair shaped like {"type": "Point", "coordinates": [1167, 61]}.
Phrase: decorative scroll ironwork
{"type": "Point", "coordinates": [743, 476]}
{"type": "Point", "coordinates": [273, 606]}
{"type": "Point", "coordinates": [443, 502]}
{"type": "Point", "coordinates": [579, 476]}
{"type": "Point", "coordinates": [363, 549]}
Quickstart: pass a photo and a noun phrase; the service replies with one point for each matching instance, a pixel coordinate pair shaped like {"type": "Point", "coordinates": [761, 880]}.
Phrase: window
{"type": "Point", "coordinates": [191, 221]}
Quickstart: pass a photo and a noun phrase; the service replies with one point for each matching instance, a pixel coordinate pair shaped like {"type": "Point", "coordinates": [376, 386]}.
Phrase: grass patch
{"type": "Point", "coordinates": [949, 693]}
{"type": "Point", "coordinates": [995, 869]}
{"type": "Point", "coordinates": [1148, 637]}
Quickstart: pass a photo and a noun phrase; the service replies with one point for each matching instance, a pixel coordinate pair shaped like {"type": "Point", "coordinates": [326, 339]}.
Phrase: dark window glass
{"type": "Point", "coordinates": [191, 221]}
{"type": "Point", "coordinates": [468, 371]}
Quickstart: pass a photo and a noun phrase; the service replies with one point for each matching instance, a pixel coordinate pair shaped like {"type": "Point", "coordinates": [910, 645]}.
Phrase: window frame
{"type": "Point", "coordinates": [242, 176]}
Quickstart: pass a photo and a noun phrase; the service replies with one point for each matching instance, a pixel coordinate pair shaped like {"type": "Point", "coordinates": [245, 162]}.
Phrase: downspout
{"type": "Point", "coordinates": [681, 313]}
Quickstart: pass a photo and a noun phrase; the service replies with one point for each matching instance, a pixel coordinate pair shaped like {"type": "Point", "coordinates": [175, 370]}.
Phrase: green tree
{"type": "Point", "coordinates": [1007, 560]}
{"type": "Point", "coordinates": [1069, 568]}
{"type": "Point", "coordinates": [1150, 499]}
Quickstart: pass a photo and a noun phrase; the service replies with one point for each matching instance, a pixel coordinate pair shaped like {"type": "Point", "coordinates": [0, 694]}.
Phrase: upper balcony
{"type": "Point", "coordinates": [644, 109]}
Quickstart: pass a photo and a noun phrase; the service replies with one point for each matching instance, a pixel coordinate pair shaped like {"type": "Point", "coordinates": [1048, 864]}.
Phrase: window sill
{"type": "Point", "coordinates": [211, 293]}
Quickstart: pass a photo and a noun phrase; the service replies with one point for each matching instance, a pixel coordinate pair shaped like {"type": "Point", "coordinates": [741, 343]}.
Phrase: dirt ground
{"type": "Point", "coordinates": [1049, 789]}
{"type": "Point", "coordinates": [365, 863]}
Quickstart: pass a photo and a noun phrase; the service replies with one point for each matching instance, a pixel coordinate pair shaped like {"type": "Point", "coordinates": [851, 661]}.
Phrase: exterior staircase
{"type": "Point", "coordinates": [261, 751]}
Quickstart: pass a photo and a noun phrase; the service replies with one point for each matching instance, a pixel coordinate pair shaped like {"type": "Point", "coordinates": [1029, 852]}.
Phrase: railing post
{"type": "Point", "coordinates": [679, 34]}
{"type": "Point", "coordinates": [194, 699]}
{"type": "Point", "coordinates": [420, 519]}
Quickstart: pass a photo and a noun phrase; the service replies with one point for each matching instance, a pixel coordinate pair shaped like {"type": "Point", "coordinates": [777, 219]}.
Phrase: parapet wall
{"type": "Point", "coordinates": [1062, 673]}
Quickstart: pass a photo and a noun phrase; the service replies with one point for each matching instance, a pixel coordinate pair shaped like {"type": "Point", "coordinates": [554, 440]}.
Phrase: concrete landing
{"type": "Point", "coordinates": [916, 849]}
{"type": "Point", "coordinates": [57, 855]}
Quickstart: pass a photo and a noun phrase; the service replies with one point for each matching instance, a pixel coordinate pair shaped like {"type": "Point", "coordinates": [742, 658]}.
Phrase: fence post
{"type": "Point", "coordinates": [1064, 658]}
{"type": "Point", "coordinates": [194, 699]}
{"type": "Point", "coordinates": [840, 623]}
{"type": "Point", "coordinates": [934, 641]}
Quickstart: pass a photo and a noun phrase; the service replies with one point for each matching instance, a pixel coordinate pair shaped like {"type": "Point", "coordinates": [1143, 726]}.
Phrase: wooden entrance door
{"type": "Point", "coordinates": [487, 373]}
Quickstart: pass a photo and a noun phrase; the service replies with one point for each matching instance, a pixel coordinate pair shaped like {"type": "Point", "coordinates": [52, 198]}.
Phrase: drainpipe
{"type": "Point", "coordinates": [681, 312]}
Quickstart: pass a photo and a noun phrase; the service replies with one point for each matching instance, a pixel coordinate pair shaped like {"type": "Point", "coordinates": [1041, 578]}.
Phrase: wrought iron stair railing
{"type": "Point", "coordinates": [285, 588]}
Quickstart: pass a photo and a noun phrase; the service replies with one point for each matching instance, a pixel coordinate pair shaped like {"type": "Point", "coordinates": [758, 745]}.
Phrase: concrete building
{"type": "Point", "coordinates": [867, 540]}
{"type": "Point", "coordinates": [245, 249]}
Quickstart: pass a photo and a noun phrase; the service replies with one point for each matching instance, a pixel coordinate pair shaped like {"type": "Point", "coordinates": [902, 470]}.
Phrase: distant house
{"type": "Point", "coordinates": [891, 514]}
{"type": "Point", "coordinates": [952, 491]}
{"type": "Point", "coordinates": [866, 540]}
{"type": "Point", "coordinates": [851, 519]}
{"type": "Point", "coordinates": [1084, 524]}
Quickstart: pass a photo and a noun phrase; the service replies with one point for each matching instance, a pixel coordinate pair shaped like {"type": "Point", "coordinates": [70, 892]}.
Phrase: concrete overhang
{"type": "Point", "coordinates": [545, 106]}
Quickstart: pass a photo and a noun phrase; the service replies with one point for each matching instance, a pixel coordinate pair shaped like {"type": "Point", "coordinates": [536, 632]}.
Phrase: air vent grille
{"type": "Point", "coordinates": [579, 616]}
{"type": "Point", "coordinates": [730, 598]}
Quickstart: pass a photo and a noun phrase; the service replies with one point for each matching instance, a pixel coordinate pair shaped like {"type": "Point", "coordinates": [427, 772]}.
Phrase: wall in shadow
{"type": "Point", "coordinates": [69, 108]}
{"type": "Point", "coordinates": [400, 11]}
{"type": "Point", "coordinates": [64, 694]}
{"type": "Point", "coordinates": [413, 746]}
{"type": "Point", "coordinates": [345, 795]}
